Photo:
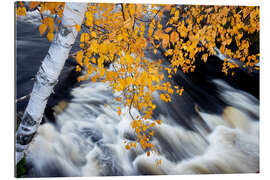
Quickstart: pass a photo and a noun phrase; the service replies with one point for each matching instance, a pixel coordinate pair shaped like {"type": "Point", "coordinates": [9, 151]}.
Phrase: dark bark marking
{"type": "Point", "coordinates": [27, 120]}
{"type": "Point", "coordinates": [24, 139]}
{"type": "Point", "coordinates": [64, 31]}
{"type": "Point", "coordinates": [76, 10]}
{"type": "Point", "coordinates": [43, 78]}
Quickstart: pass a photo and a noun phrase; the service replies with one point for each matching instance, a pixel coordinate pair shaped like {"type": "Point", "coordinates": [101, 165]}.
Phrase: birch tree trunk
{"type": "Point", "coordinates": [47, 75]}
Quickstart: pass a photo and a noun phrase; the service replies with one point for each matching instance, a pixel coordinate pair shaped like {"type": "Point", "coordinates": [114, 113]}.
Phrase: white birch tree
{"type": "Point", "coordinates": [47, 75]}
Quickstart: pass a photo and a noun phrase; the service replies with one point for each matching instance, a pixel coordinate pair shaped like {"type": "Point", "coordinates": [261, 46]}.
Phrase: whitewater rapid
{"type": "Point", "coordinates": [88, 138]}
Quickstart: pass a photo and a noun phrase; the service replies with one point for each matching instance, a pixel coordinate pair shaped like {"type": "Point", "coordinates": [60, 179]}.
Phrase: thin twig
{"type": "Point", "coordinates": [102, 28]}
{"type": "Point", "coordinates": [130, 108]}
{"type": "Point", "coordinates": [95, 28]}
{"type": "Point", "coordinates": [22, 98]}
{"type": "Point", "coordinates": [122, 9]}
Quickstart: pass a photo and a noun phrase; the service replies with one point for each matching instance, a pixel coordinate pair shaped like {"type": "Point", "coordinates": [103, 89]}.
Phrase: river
{"type": "Point", "coordinates": [212, 128]}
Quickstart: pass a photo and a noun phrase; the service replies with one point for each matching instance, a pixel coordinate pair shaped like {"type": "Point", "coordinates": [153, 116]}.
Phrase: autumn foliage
{"type": "Point", "coordinates": [120, 34]}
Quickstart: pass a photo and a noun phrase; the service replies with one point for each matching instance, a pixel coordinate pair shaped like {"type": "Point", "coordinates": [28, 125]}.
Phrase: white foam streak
{"type": "Point", "coordinates": [88, 139]}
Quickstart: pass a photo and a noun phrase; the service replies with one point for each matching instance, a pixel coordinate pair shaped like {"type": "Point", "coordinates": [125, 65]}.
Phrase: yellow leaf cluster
{"type": "Point", "coordinates": [33, 5]}
{"type": "Point", "coordinates": [202, 28]}
{"type": "Point", "coordinates": [21, 11]}
{"type": "Point", "coordinates": [50, 36]}
{"type": "Point", "coordinates": [47, 23]}
{"type": "Point", "coordinates": [42, 29]}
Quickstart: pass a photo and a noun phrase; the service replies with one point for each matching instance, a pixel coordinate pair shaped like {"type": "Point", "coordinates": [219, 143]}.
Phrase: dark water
{"type": "Point", "coordinates": [30, 51]}
{"type": "Point", "coordinates": [85, 138]}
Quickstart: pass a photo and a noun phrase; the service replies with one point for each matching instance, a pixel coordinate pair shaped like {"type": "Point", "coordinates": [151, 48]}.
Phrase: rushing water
{"type": "Point", "coordinates": [212, 128]}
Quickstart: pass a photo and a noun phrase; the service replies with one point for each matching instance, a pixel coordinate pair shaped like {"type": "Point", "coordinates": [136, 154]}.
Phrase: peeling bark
{"type": "Point", "coordinates": [47, 75]}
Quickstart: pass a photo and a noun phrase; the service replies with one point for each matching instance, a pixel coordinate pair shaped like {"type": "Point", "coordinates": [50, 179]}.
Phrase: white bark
{"type": "Point", "coordinates": [48, 74]}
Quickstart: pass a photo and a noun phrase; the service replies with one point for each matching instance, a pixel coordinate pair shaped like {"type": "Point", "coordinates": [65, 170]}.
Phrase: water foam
{"type": "Point", "coordinates": [88, 139]}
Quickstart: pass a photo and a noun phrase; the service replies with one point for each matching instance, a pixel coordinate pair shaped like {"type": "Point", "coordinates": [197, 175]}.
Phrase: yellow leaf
{"type": "Point", "coordinates": [165, 41]}
{"type": "Point", "coordinates": [129, 59]}
{"type": "Point", "coordinates": [89, 18]}
{"type": "Point", "coordinates": [168, 29]}
{"type": "Point", "coordinates": [90, 69]}
{"type": "Point", "coordinates": [78, 27]}
{"type": "Point", "coordinates": [169, 70]}
{"type": "Point", "coordinates": [172, 11]}
{"type": "Point", "coordinates": [94, 60]}
{"type": "Point", "coordinates": [42, 28]}
{"type": "Point", "coordinates": [79, 57]}
{"type": "Point", "coordinates": [50, 36]}
{"type": "Point", "coordinates": [169, 52]}
{"type": "Point", "coordinates": [50, 23]}
{"type": "Point", "coordinates": [204, 57]}
{"type": "Point", "coordinates": [78, 68]}
{"type": "Point", "coordinates": [94, 78]}
{"type": "Point", "coordinates": [94, 34]}
{"type": "Point", "coordinates": [34, 4]}
{"type": "Point", "coordinates": [119, 111]}
{"type": "Point", "coordinates": [127, 147]}
{"type": "Point", "coordinates": [102, 72]}
{"type": "Point", "coordinates": [176, 14]}
{"type": "Point", "coordinates": [174, 37]}
{"type": "Point", "coordinates": [181, 91]}
{"type": "Point", "coordinates": [159, 122]}
{"type": "Point", "coordinates": [132, 9]}
{"type": "Point", "coordinates": [21, 3]}
{"type": "Point", "coordinates": [167, 7]}
{"type": "Point", "coordinates": [84, 37]}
